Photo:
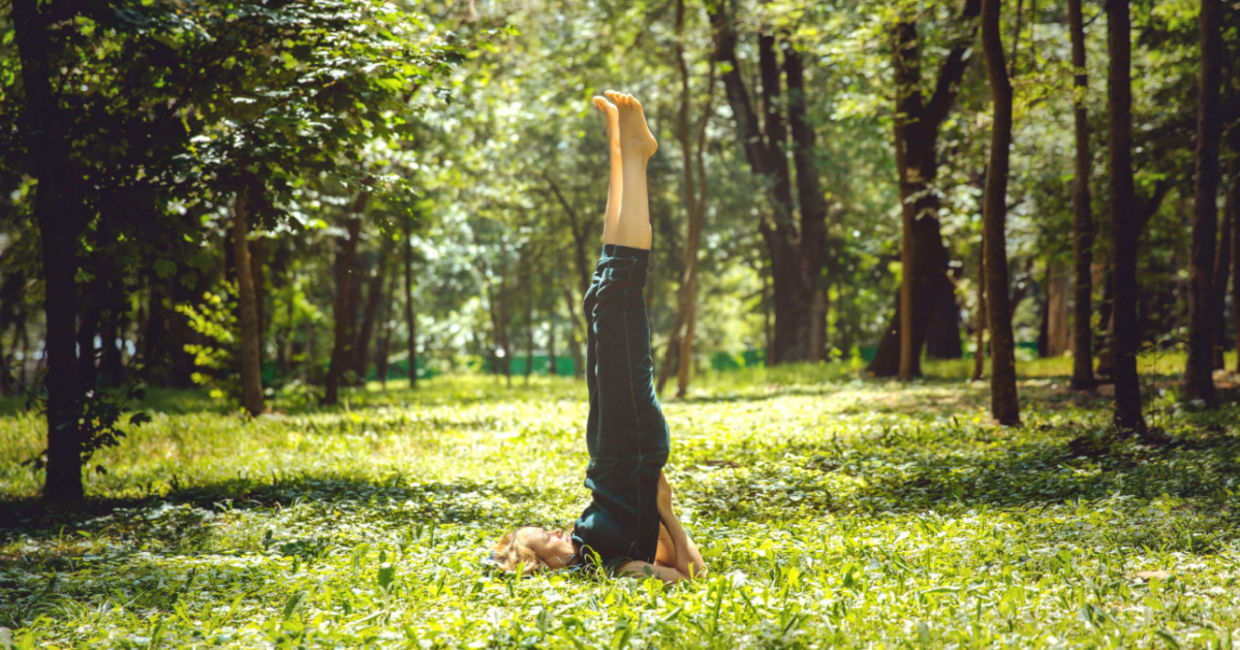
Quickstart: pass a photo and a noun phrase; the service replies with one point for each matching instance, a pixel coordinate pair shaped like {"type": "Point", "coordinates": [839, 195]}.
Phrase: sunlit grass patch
{"type": "Point", "coordinates": [833, 510]}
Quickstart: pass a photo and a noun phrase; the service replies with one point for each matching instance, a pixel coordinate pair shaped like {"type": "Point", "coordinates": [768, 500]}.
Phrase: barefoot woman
{"type": "Point", "coordinates": [629, 526]}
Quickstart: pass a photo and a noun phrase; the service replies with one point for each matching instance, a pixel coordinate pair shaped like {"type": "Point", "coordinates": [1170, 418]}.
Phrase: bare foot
{"type": "Point", "coordinates": [635, 137]}
{"type": "Point", "coordinates": [610, 112]}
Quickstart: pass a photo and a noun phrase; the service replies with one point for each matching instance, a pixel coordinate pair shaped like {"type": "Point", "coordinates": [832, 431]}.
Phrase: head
{"type": "Point", "coordinates": [537, 549]}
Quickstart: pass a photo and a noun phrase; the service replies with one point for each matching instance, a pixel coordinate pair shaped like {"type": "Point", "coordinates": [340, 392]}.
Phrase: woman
{"type": "Point", "coordinates": [629, 527]}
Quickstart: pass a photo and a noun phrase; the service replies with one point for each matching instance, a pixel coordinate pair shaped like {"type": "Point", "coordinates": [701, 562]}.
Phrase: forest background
{"type": "Point", "coordinates": [943, 302]}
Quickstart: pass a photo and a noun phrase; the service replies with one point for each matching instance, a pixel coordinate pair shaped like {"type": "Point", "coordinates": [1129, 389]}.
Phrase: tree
{"type": "Point", "coordinates": [1082, 220]}
{"type": "Point", "coordinates": [795, 248]}
{"type": "Point", "coordinates": [680, 341]}
{"type": "Point", "coordinates": [251, 368]}
{"type": "Point", "coordinates": [1199, 369]}
{"type": "Point", "coordinates": [344, 310]}
{"type": "Point", "coordinates": [1004, 403]}
{"type": "Point", "coordinates": [923, 256]}
{"type": "Point", "coordinates": [1124, 224]}
{"type": "Point", "coordinates": [61, 223]}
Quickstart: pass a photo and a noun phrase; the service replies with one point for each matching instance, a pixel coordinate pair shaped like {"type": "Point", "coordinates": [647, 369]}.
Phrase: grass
{"type": "Point", "coordinates": [833, 511]}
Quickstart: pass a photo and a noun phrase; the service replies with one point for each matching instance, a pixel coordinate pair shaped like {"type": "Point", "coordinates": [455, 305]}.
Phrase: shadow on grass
{"type": "Point", "coordinates": [403, 504]}
{"type": "Point", "coordinates": [901, 475]}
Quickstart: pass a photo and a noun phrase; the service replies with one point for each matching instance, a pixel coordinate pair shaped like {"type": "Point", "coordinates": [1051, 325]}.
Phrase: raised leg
{"type": "Point", "coordinates": [636, 146]}
{"type": "Point", "coordinates": [615, 177]}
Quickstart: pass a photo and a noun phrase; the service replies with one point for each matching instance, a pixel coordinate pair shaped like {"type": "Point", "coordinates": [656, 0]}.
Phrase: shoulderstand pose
{"type": "Point", "coordinates": [629, 527]}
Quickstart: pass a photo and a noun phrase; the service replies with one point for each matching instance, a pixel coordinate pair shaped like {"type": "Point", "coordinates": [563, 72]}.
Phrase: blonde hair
{"type": "Point", "coordinates": [510, 553]}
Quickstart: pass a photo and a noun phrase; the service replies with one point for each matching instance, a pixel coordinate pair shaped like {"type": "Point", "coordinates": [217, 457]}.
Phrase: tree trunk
{"type": "Point", "coordinates": [60, 226]}
{"type": "Point", "coordinates": [343, 309]}
{"type": "Point", "coordinates": [383, 349]}
{"type": "Point", "coordinates": [574, 343]}
{"type": "Point", "coordinates": [979, 354]}
{"type": "Point", "coordinates": [1222, 272]}
{"type": "Point", "coordinates": [1082, 219]}
{"type": "Point", "coordinates": [1198, 371]}
{"type": "Point", "coordinates": [1233, 209]}
{"type": "Point", "coordinates": [793, 249]}
{"type": "Point", "coordinates": [87, 329]}
{"type": "Point", "coordinates": [529, 319]}
{"type": "Point", "coordinates": [247, 301]}
{"type": "Point", "coordinates": [374, 293]}
{"type": "Point", "coordinates": [1124, 228]}
{"type": "Point", "coordinates": [813, 240]}
{"type": "Point", "coordinates": [1058, 334]}
{"type": "Point", "coordinates": [943, 333]}
{"type": "Point", "coordinates": [411, 325]}
{"type": "Point", "coordinates": [1004, 402]}
{"type": "Point", "coordinates": [922, 253]}
{"type": "Point", "coordinates": [260, 291]}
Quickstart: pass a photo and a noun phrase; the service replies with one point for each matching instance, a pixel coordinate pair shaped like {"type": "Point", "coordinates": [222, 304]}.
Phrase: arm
{"type": "Point", "coordinates": [639, 569]}
{"type": "Point", "coordinates": [688, 560]}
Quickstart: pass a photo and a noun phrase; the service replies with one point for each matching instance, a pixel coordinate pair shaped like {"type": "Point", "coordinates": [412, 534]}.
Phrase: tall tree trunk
{"type": "Point", "coordinates": [1198, 371]}
{"type": "Point", "coordinates": [1233, 210]}
{"type": "Point", "coordinates": [943, 332]}
{"type": "Point", "coordinates": [1124, 228]}
{"type": "Point", "coordinates": [1058, 335]}
{"type": "Point", "coordinates": [247, 301]}
{"type": "Point", "coordinates": [529, 317]}
{"type": "Point", "coordinates": [813, 240]}
{"type": "Point", "coordinates": [1082, 219]}
{"type": "Point", "coordinates": [1222, 272]}
{"type": "Point", "coordinates": [60, 226]}
{"type": "Point", "coordinates": [343, 310]}
{"type": "Point", "coordinates": [979, 354]}
{"type": "Point", "coordinates": [1004, 403]}
{"type": "Point", "coordinates": [87, 329]}
{"type": "Point", "coordinates": [411, 324]}
{"type": "Point", "coordinates": [574, 343]}
{"type": "Point", "coordinates": [680, 341]}
{"type": "Point", "coordinates": [922, 253]}
{"type": "Point", "coordinates": [260, 290]}
{"type": "Point", "coordinates": [383, 349]}
{"type": "Point", "coordinates": [374, 293]}
{"type": "Point", "coordinates": [791, 247]}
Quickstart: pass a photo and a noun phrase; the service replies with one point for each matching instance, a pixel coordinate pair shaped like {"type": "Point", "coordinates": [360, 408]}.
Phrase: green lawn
{"type": "Point", "coordinates": [832, 511]}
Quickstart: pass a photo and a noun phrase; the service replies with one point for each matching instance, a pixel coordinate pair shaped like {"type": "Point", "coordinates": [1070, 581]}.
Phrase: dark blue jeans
{"type": "Point", "coordinates": [626, 434]}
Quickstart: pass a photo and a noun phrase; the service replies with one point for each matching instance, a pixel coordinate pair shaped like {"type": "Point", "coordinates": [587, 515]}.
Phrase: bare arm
{"type": "Point", "coordinates": [688, 560]}
{"type": "Point", "coordinates": [639, 569]}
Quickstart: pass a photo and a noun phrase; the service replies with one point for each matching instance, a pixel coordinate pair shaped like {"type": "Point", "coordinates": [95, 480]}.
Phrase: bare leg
{"type": "Point", "coordinates": [636, 147]}
{"type": "Point", "coordinates": [611, 216]}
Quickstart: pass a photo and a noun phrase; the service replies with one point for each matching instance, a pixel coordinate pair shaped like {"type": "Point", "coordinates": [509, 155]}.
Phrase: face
{"type": "Point", "coordinates": [554, 547]}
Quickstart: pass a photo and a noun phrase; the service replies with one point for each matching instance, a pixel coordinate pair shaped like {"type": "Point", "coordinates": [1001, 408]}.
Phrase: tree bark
{"type": "Point", "coordinates": [793, 248]}
{"type": "Point", "coordinates": [680, 340]}
{"type": "Point", "coordinates": [343, 307]}
{"type": "Point", "coordinates": [979, 354]}
{"type": "Point", "coordinates": [1222, 271]}
{"type": "Point", "coordinates": [922, 253]}
{"type": "Point", "coordinates": [374, 294]}
{"type": "Point", "coordinates": [1124, 228]}
{"type": "Point", "coordinates": [943, 332]}
{"type": "Point", "coordinates": [251, 363]}
{"type": "Point", "coordinates": [1058, 334]}
{"type": "Point", "coordinates": [1082, 219]}
{"type": "Point", "coordinates": [1004, 402]}
{"type": "Point", "coordinates": [61, 224]}
{"type": "Point", "coordinates": [576, 334]}
{"type": "Point", "coordinates": [411, 324]}
{"type": "Point", "coordinates": [1233, 209]}
{"type": "Point", "coordinates": [1199, 369]}
{"type": "Point", "coordinates": [383, 350]}
{"type": "Point", "coordinates": [260, 291]}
